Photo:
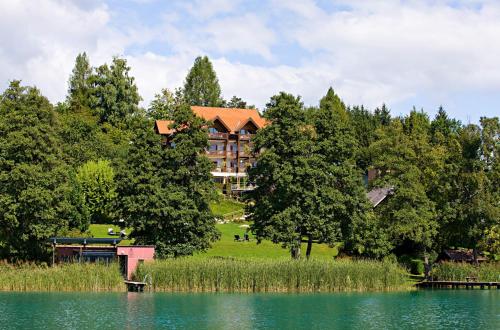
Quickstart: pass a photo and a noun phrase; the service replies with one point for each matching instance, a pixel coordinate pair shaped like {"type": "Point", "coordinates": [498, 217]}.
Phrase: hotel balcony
{"type": "Point", "coordinates": [246, 136]}
{"type": "Point", "coordinates": [216, 153]}
{"type": "Point", "coordinates": [217, 136]}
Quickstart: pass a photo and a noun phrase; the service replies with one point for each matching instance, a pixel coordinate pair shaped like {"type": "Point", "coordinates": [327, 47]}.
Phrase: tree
{"type": "Point", "coordinates": [96, 180]}
{"type": "Point", "coordinates": [476, 189]}
{"type": "Point", "coordinates": [237, 102]}
{"type": "Point", "coordinates": [202, 86]}
{"type": "Point", "coordinates": [164, 191]}
{"type": "Point", "coordinates": [114, 95]}
{"type": "Point", "coordinates": [163, 105]}
{"type": "Point", "coordinates": [336, 142]}
{"type": "Point", "coordinates": [79, 84]}
{"type": "Point", "coordinates": [298, 195]}
{"type": "Point", "coordinates": [38, 197]}
{"type": "Point", "coordinates": [409, 164]}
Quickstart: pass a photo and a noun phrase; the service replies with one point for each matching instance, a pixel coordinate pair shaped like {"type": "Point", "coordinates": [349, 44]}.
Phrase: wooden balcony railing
{"type": "Point", "coordinates": [246, 136]}
{"type": "Point", "coordinates": [216, 152]}
{"type": "Point", "coordinates": [217, 136]}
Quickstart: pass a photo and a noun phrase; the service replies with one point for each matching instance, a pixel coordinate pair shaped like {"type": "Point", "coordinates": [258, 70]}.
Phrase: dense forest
{"type": "Point", "coordinates": [95, 158]}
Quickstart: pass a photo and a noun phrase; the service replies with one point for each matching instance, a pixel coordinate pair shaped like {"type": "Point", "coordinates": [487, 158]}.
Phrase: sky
{"type": "Point", "coordinates": [402, 53]}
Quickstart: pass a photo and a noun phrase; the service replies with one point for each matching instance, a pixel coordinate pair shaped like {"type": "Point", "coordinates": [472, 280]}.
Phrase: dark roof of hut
{"type": "Point", "coordinates": [460, 255]}
{"type": "Point", "coordinates": [377, 195]}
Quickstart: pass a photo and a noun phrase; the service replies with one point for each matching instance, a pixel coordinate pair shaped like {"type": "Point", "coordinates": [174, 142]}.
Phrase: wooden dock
{"type": "Point", "coordinates": [135, 286]}
{"type": "Point", "coordinates": [458, 285]}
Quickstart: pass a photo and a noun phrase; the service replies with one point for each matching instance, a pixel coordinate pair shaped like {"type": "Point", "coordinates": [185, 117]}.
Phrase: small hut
{"type": "Point", "coordinates": [459, 255]}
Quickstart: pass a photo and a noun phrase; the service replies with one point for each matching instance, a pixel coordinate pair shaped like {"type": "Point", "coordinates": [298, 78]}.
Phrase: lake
{"type": "Point", "coordinates": [444, 309]}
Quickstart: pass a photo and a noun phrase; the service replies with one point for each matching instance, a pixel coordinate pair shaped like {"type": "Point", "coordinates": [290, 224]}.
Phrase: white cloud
{"type": "Point", "coordinates": [369, 51]}
{"type": "Point", "coordinates": [243, 34]}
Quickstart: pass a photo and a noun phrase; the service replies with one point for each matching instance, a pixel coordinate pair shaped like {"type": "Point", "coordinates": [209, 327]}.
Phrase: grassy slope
{"type": "Point", "coordinates": [225, 205]}
{"type": "Point", "coordinates": [227, 247]}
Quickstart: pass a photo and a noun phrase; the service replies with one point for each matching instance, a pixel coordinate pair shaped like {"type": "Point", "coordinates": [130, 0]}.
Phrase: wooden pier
{"type": "Point", "coordinates": [458, 285]}
{"type": "Point", "coordinates": [135, 286]}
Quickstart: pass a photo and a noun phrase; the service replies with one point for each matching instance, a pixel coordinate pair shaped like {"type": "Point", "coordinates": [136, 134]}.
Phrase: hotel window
{"type": "Point", "coordinates": [213, 130]}
{"type": "Point", "coordinates": [244, 132]}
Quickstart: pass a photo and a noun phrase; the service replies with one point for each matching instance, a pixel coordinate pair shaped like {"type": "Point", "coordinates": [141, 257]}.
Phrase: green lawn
{"type": "Point", "coordinates": [226, 206]}
{"type": "Point", "coordinates": [227, 247]}
{"type": "Point", "coordinates": [101, 231]}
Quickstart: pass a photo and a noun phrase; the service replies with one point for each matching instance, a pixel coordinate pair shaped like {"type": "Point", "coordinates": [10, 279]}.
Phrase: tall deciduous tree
{"type": "Point", "coordinates": [97, 184]}
{"type": "Point", "coordinates": [38, 197]}
{"type": "Point", "coordinates": [202, 86]}
{"type": "Point", "coordinates": [410, 165]}
{"type": "Point", "coordinates": [164, 192]}
{"type": "Point", "coordinates": [114, 95]}
{"type": "Point", "coordinates": [302, 175]}
{"type": "Point", "coordinates": [337, 145]}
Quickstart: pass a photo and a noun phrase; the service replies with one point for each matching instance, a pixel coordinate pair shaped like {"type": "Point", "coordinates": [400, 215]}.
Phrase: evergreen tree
{"type": "Point", "coordinates": [114, 95]}
{"type": "Point", "coordinates": [164, 192]}
{"type": "Point", "coordinates": [237, 102]}
{"type": "Point", "coordinates": [79, 84]}
{"type": "Point", "coordinates": [38, 195]}
{"type": "Point", "coordinates": [202, 86]}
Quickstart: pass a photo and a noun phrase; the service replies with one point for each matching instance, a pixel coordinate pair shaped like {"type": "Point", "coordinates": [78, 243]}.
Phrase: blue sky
{"type": "Point", "coordinates": [403, 53]}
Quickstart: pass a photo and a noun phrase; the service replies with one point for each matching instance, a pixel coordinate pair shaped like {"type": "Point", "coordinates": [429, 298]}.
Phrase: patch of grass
{"type": "Point", "coordinates": [101, 231]}
{"type": "Point", "coordinates": [278, 275]}
{"type": "Point", "coordinates": [454, 271]}
{"type": "Point", "coordinates": [64, 277]}
{"type": "Point", "coordinates": [227, 247]}
{"type": "Point", "coordinates": [224, 206]}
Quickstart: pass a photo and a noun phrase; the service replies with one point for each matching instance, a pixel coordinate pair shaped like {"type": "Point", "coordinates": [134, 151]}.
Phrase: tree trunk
{"type": "Point", "coordinates": [295, 249]}
{"type": "Point", "coordinates": [309, 247]}
{"type": "Point", "coordinates": [427, 267]}
{"type": "Point", "coordinates": [474, 255]}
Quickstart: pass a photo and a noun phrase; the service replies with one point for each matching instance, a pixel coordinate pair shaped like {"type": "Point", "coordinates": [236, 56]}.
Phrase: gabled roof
{"type": "Point", "coordinates": [162, 127]}
{"type": "Point", "coordinates": [377, 195]}
{"type": "Point", "coordinates": [233, 118]}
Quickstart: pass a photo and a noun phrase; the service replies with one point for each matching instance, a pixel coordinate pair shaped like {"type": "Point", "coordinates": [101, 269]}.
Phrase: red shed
{"type": "Point", "coordinates": [68, 249]}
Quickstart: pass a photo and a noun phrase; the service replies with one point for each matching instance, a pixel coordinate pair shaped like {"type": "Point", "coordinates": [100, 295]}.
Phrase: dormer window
{"type": "Point", "coordinates": [213, 130]}
{"type": "Point", "coordinates": [244, 132]}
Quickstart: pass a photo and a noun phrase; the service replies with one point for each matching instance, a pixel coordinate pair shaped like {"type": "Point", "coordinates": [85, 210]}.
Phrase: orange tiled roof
{"type": "Point", "coordinates": [162, 127]}
{"type": "Point", "coordinates": [234, 119]}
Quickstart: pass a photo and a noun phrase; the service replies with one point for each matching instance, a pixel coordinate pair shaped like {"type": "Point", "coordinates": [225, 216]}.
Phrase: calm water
{"type": "Point", "coordinates": [410, 310]}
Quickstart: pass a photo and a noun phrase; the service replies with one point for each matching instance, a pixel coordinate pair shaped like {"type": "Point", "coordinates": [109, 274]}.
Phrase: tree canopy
{"type": "Point", "coordinates": [202, 86]}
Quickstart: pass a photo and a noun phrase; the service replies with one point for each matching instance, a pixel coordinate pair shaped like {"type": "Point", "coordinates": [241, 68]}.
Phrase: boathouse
{"type": "Point", "coordinates": [69, 249]}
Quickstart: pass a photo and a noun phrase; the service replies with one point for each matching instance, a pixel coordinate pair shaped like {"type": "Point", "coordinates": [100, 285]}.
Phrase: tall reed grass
{"type": "Point", "coordinates": [261, 275]}
{"type": "Point", "coordinates": [64, 277]}
{"type": "Point", "coordinates": [453, 271]}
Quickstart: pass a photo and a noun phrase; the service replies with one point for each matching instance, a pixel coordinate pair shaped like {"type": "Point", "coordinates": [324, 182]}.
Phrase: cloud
{"type": "Point", "coordinates": [397, 52]}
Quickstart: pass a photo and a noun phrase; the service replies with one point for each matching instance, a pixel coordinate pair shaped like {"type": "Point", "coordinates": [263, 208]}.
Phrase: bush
{"type": "Point", "coordinates": [417, 266]}
{"type": "Point", "coordinates": [414, 265]}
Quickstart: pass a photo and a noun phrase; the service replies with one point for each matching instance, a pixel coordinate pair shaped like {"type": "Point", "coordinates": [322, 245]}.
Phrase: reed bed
{"type": "Point", "coordinates": [261, 275]}
{"type": "Point", "coordinates": [452, 271]}
{"type": "Point", "coordinates": [65, 277]}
